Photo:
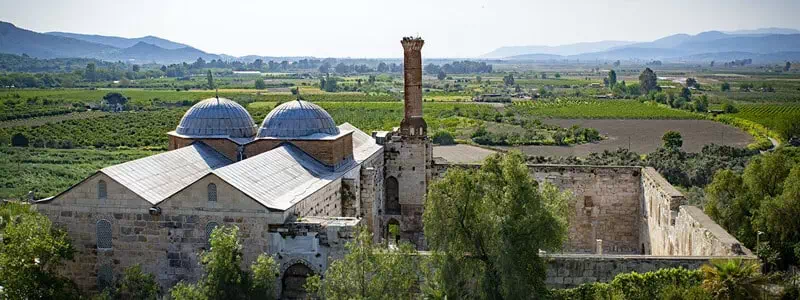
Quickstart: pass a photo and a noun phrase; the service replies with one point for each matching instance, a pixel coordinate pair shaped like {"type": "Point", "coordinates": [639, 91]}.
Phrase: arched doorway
{"type": "Point", "coordinates": [392, 234]}
{"type": "Point", "coordinates": [293, 280]}
{"type": "Point", "coordinates": [392, 199]}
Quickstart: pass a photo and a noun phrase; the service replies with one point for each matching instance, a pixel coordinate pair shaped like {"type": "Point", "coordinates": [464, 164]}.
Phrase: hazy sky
{"type": "Point", "coordinates": [373, 28]}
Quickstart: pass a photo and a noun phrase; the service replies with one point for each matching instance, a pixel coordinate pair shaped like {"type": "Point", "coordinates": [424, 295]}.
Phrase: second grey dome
{"type": "Point", "coordinates": [297, 118]}
{"type": "Point", "coordinates": [217, 117]}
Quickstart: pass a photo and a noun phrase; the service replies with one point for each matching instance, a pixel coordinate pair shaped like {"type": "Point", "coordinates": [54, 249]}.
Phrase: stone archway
{"type": "Point", "coordinates": [392, 232]}
{"type": "Point", "coordinates": [294, 278]}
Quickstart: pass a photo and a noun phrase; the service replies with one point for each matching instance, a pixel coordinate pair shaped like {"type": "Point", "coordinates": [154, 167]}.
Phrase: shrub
{"type": "Point", "coordinates": [443, 138]}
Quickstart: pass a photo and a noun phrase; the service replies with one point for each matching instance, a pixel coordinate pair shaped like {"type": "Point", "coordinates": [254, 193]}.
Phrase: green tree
{"type": "Point", "coordinates": [685, 93]}
{"type": "Point", "coordinates": [19, 140]}
{"type": "Point", "coordinates": [210, 79]}
{"type": "Point", "coordinates": [31, 253]}
{"type": "Point", "coordinates": [90, 74]}
{"type": "Point", "coordinates": [725, 87]}
{"type": "Point", "coordinates": [369, 272]}
{"type": "Point", "coordinates": [787, 67]}
{"type": "Point", "coordinates": [734, 279]}
{"type": "Point", "coordinates": [115, 98]}
{"type": "Point", "coordinates": [612, 78]}
{"type": "Point", "coordinates": [443, 137]}
{"type": "Point", "coordinates": [701, 104]}
{"type": "Point", "coordinates": [648, 81]}
{"type": "Point", "coordinates": [136, 68]}
{"type": "Point", "coordinates": [489, 224]}
{"type": "Point", "coordinates": [441, 75]}
{"type": "Point", "coordinates": [259, 83]}
{"type": "Point", "coordinates": [135, 284]}
{"type": "Point", "coordinates": [508, 79]}
{"type": "Point", "coordinates": [777, 216]}
{"type": "Point", "coordinates": [223, 278]}
{"type": "Point", "coordinates": [691, 82]}
{"type": "Point", "coordinates": [672, 140]}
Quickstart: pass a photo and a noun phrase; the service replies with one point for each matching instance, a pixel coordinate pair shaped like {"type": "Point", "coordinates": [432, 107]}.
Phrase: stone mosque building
{"type": "Point", "coordinates": [298, 184]}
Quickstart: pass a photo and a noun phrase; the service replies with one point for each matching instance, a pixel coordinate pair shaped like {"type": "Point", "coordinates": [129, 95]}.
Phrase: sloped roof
{"type": "Point", "coordinates": [279, 178]}
{"type": "Point", "coordinates": [158, 177]}
{"type": "Point", "coordinates": [364, 145]}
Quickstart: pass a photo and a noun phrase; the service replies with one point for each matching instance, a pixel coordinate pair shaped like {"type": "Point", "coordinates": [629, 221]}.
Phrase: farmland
{"type": "Point", "coordinates": [584, 108]}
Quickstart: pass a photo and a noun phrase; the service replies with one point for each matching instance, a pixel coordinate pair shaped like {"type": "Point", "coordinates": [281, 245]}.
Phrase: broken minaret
{"type": "Point", "coordinates": [408, 157]}
{"type": "Point", "coordinates": [413, 125]}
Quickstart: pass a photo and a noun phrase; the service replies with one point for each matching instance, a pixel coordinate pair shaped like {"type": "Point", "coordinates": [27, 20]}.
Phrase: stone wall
{"type": "Point", "coordinates": [671, 228]}
{"type": "Point", "coordinates": [571, 270]}
{"type": "Point", "coordinates": [604, 204]}
{"type": "Point", "coordinates": [409, 161]}
{"type": "Point", "coordinates": [222, 145]}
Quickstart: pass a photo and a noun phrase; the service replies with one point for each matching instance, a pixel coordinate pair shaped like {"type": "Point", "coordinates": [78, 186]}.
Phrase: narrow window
{"type": "Point", "coordinates": [212, 192]}
{"type": "Point", "coordinates": [101, 190]}
{"type": "Point", "coordinates": [103, 234]}
{"type": "Point", "coordinates": [209, 229]}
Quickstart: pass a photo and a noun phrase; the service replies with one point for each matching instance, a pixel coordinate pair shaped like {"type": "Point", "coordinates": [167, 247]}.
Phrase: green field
{"type": "Point", "coordinates": [49, 171]}
{"type": "Point", "coordinates": [770, 115]}
{"type": "Point", "coordinates": [576, 108]}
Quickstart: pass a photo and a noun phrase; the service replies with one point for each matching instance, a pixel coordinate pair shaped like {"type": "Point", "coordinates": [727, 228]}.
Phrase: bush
{"type": "Point", "coordinates": [635, 286]}
{"type": "Point", "coordinates": [443, 138]}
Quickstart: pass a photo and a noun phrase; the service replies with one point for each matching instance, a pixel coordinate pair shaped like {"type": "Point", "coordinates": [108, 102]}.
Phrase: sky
{"type": "Point", "coordinates": [373, 28]}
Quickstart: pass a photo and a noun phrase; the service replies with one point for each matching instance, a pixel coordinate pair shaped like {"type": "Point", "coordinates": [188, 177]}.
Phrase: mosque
{"type": "Point", "coordinates": [297, 185]}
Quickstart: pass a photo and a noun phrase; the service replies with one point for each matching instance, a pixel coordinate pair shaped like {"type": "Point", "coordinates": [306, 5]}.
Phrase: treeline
{"type": "Point", "coordinates": [459, 67]}
{"type": "Point", "coordinates": [25, 63]}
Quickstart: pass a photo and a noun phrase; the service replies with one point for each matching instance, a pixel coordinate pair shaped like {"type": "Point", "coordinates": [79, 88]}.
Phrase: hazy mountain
{"type": "Point", "coordinates": [16, 40]}
{"type": "Point", "coordinates": [120, 42]}
{"type": "Point", "coordinates": [145, 53]}
{"type": "Point", "coordinates": [762, 45]}
{"type": "Point", "coordinates": [765, 31]}
{"type": "Point", "coordinates": [569, 49]}
{"type": "Point", "coordinates": [147, 49]}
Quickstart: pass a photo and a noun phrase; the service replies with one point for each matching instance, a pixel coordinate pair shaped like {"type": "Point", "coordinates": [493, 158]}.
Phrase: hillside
{"type": "Point", "coordinates": [570, 49]}
{"type": "Point", "coordinates": [120, 42]}
{"type": "Point", "coordinates": [19, 41]}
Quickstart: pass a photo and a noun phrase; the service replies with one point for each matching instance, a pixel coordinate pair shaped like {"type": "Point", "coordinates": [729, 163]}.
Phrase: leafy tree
{"type": "Point", "coordinates": [369, 272]}
{"type": "Point", "coordinates": [672, 140]}
{"type": "Point", "coordinates": [612, 78]}
{"type": "Point", "coordinates": [725, 87]}
{"type": "Point", "coordinates": [330, 84]}
{"type": "Point", "coordinates": [734, 279]}
{"type": "Point", "coordinates": [210, 79]}
{"type": "Point", "coordinates": [441, 75]}
{"type": "Point", "coordinates": [134, 284]}
{"type": "Point", "coordinates": [136, 68]}
{"type": "Point", "coordinates": [489, 224]}
{"type": "Point", "coordinates": [729, 108]}
{"type": "Point", "coordinates": [778, 217]}
{"type": "Point", "coordinates": [31, 253]}
{"type": "Point", "coordinates": [115, 98]}
{"type": "Point", "coordinates": [701, 104]}
{"type": "Point", "coordinates": [443, 137]}
{"type": "Point", "coordinates": [787, 67]}
{"type": "Point", "coordinates": [685, 93]}
{"type": "Point", "coordinates": [260, 85]}
{"type": "Point", "coordinates": [616, 63]}
{"type": "Point", "coordinates": [789, 128]}
{"type": "Point", "coordinates": [508, 79]}
{"type": "Point", "coordinates": [558, 75]}
{"type": "Point", "coordinates": [90, 74]}
{"type": "Point", "coordinates": [223, 279]}
{"type": "Point", "coordinates": [648, 81]}
{"type": "Point", "coordinates": [19, 140]}
{"type": "Point", "coordinates": [691, 82]}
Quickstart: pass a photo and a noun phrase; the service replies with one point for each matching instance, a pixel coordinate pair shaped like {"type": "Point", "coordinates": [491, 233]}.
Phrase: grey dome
{"type": "Point", "coordinates": [217, 116]}
{"type": "Point", "coordinates": [296, 119]}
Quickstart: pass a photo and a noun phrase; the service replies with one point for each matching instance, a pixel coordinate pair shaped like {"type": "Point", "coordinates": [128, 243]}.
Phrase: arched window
{"type": "Point", "coordinates": [101, 190]}
{"type": "Point", "coordinates": [103, 234]}
{"type": "Point", "coordinates": [392, 198]}
{"type": "Point", "coordinates": [294, 278]}
{"type": "Point", "coordinates": [212, 192]}
{"type": "Point", "coordinates": [209, 229]}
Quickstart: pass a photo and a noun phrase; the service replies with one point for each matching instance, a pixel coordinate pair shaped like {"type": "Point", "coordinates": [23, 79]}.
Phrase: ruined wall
{"type": "Point", "coordinates": [567, 271]}
{"type": "Point", "coordinates": [671, 228]}
{"type": "Point", "coordinates": [604, 204]}
{"type": "Point", "coordinates": [371, 192]}
{"type": "Point", "coordinates": [408, 160]}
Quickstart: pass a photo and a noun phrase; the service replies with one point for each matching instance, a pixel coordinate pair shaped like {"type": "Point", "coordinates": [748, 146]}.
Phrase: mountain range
{"type": "Point", "coordinates": [765, 45]}
{"type": "Point", "coordinates": [149, 49]}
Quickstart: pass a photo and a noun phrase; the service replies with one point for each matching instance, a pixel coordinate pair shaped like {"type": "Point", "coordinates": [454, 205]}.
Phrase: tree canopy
{"type": "Point", "coordinates": [489, 226]}
{"type": "Point", "coordinates": [648, 81]}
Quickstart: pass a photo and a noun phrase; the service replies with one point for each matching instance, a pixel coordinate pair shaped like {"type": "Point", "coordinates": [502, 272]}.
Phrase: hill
{"type": "Point", "coordinates": [570, 49]}
{"type": "Point", "coordinates": [14, 40]}
{"type": "Point", "coordinates": [19, 41]}
{"type": "Point", "coordinates": [120, 42]}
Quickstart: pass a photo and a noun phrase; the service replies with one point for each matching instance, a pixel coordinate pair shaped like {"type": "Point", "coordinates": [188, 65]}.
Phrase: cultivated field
{"type": "Point", "coordinates": [643, 136]}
